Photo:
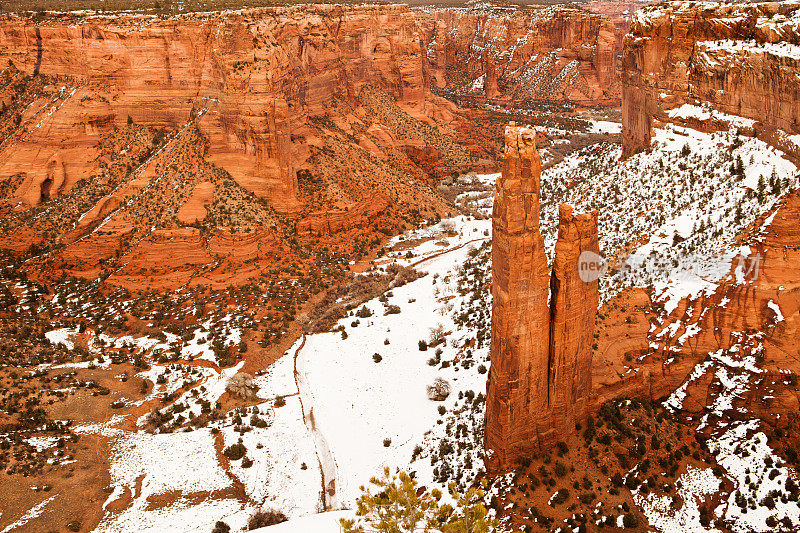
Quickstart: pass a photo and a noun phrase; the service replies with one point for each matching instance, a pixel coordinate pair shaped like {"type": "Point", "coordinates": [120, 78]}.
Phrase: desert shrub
{"type": "Point", "coordinates": [768, 502]}
{"type": "Point", "coordinates": [265, 518]}
{"type": "Point", "coordinates": [405, 275]}
{"type": "Point", "coordinates": [234, 452]}
{"type": "Point", "coordinates": [74, 526]}
{"type": "Point", "coordinates": [221, 527]}
{"type": "Point", "coordinates": [225, 359]}
{"type": "Point", "coordinates": [562, 448]}
{"type": "Point", "coordinates": [560, 497]}
{"type": "Point", "coordinates": [377, 357]}
{"type": "Point", "coordinates": [258, 422]}
{"type": "Point", "coordinates": [241, 385]}
{"type": "Point", "coordinates": [280, 401]}
{"type": "Point", "coordinates": [437, 335]}
{"type": "Point", "coordinates": [448, 228]}
{"type": "Point", "coordinates": [629, 520]}
{"type": "Point", "coordinates": [439, 390]}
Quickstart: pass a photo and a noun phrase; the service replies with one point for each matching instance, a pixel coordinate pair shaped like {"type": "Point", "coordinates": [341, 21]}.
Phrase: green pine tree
{"type": "Point", "coordinates": [399, 507]}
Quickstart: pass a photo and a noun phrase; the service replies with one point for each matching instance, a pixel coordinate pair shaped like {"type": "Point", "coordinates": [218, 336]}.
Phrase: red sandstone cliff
{"type": "Point", "coordinates": [540, 379]}
{"type": "Point", "coordinates": [125, 129]}
{"type": "Point", "coordinates": [561, 54]}
{"type": "Point", "coordinates": [257, 74]}
{"type": "Point", "coordinates": [738, 59]}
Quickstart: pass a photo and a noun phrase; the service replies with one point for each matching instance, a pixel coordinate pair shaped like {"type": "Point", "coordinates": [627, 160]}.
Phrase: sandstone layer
{"type": "Point", "coordinates": [738, 60]}
{"type": "Point", "coordinates": [540, 379]}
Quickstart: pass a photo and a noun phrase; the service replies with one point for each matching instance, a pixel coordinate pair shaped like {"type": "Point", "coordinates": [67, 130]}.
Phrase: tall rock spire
{"type": "Point", "coordinates": [517, 385]}
{"type": "Point", "coordinates": [540, 377]}
{"type": "Point", "coordinates": [573, 309]}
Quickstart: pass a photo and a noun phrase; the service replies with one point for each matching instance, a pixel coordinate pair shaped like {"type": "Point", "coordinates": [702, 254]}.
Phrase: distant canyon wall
{"type": "Point", "coordinates": [737, 59]}
{"type": "Point", "coordinates": [254, 78]}
{"type": "Point", "coordinates": [562, 54]}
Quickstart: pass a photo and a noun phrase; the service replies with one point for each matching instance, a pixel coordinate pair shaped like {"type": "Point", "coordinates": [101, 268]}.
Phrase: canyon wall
{"type": "Point", "coordinates": [253, 77]}
{"type": "Point", "coordinates": [540, 378]}
{"type": "Point", "coordinates": [561, 54]}
{"type": "Point", "coordinates": [119, 133]}
{"type": "Point", "coordinates": [712, 65]}
{"type": "Point", "coordinates": [759, 300]}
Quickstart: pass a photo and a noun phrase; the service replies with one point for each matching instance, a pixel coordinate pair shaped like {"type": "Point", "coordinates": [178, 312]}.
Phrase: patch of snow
{"type": "Point", "coordinates": [29, 515]}
{"type": "Point", "coordinates": [777, 310]}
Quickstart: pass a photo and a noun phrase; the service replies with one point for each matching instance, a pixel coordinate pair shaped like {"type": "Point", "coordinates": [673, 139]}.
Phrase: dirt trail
{"type": "Point", "coordinates": [327, 463]}
{"type": "Point", "coordinates": [446, 251]}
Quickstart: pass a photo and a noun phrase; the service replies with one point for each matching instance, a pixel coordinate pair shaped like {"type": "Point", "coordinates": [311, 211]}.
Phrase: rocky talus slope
{"type": "Point", "coordinates": [712, 65]}
{"type": "Point", "coordinates": [539, 381]}
{"type": "Point", "coordinates": [562, 54]}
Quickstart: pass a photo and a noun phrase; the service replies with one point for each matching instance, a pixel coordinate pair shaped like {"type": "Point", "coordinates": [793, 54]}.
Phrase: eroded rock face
{"type": "Point", "coordinates": [737, 59]}
{"type": "Point", "coordinates": [740, 304]}
{"type": "Point", "coordinates": [338, 220]}
{"type": "Point", "coordinates": [540, 378]}
{"type": "Point", "coordinates": [560, 54]}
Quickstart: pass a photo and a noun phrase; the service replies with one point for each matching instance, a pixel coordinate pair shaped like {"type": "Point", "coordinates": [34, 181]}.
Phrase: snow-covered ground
{"type": "Point", "coordinates": [373, 414]}
{"type": "Point", "coordinates": [760, 478]}
{"type": "Point", "coordinates": [666, 215]}
{"type": "Point", "coordinates": [695, 485]}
